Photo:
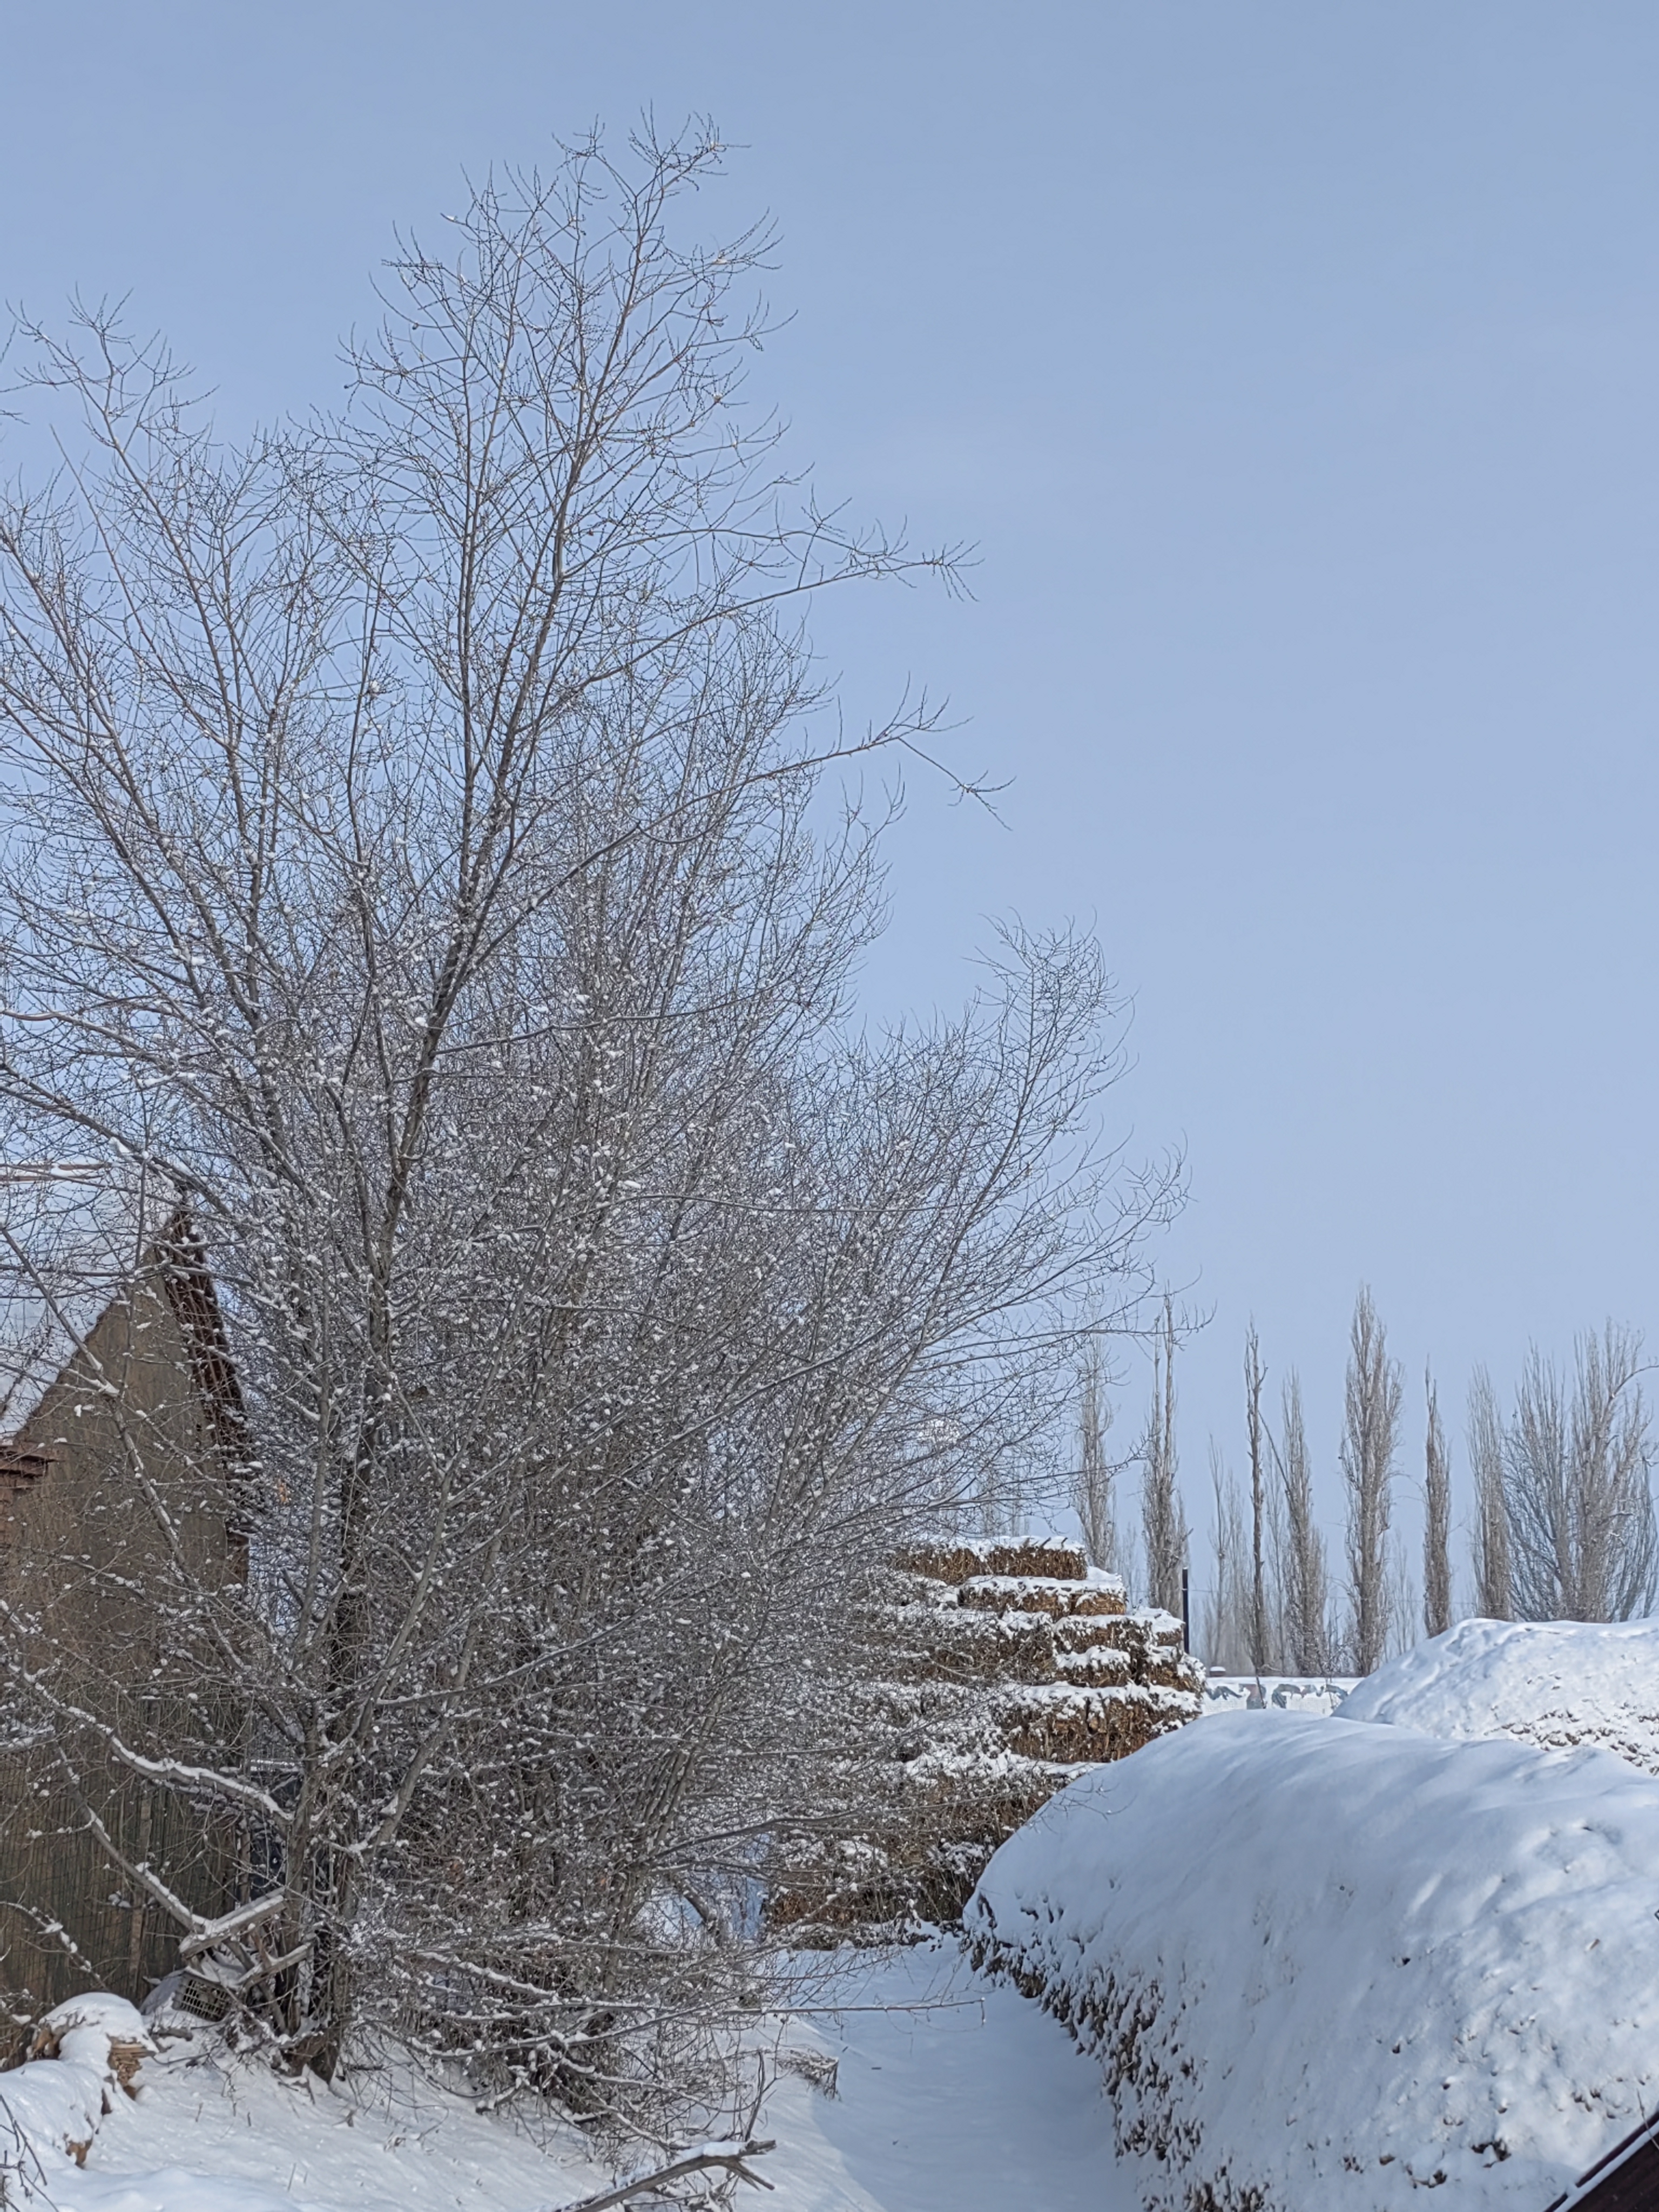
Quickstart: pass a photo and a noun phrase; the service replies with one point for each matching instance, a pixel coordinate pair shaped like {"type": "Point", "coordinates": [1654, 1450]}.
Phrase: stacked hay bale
{"type": "Point", "coordinates": [1002, 1666]}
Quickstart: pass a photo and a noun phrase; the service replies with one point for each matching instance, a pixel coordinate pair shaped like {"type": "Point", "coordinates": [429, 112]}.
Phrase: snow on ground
{"type": "Point", "coordinates": [1553, 1682]}
{"type": "Point", "coordinates": [951, 2094]}
{"type": "Point", "coordinates": [209, 2132]}
{"type": "Point", "coordinates": [1338, 1963]}
{"type": "Point", "coordinates": [1331, 1942]}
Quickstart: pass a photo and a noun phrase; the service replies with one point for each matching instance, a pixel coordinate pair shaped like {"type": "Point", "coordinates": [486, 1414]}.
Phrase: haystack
{"type": "Point", "coordinates": [1004, 1667]}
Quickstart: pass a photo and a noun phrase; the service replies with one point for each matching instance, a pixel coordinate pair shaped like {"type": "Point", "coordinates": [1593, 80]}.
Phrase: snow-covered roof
{"type": "Point", "coordinates": [73, 1236]}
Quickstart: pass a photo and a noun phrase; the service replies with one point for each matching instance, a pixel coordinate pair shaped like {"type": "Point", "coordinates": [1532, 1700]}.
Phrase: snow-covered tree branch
{"type": "Point", "coordinates": [423, 869]}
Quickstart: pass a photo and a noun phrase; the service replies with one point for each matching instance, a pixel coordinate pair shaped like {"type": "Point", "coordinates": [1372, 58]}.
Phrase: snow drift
{"type": "Point", "coordinates": [1325, 1964]}
{"type": "Point", "coordinates": [1553, 1682]}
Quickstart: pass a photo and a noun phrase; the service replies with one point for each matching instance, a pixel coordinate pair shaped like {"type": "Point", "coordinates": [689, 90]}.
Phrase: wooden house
{"type": "Point", "coordinates": [120, 1455]}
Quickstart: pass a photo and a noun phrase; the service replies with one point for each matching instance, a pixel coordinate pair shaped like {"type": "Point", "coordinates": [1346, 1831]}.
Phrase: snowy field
{"type": "Point", "coordinates": [950, 2096]}
{"type": "Point", "coordinates": [1325, 1963]}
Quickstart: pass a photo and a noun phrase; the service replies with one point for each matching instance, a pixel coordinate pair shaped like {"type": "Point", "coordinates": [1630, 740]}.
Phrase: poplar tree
{"type": "Point", "coordinates": [1436, 1522]}
{"type": "Point", "coordinates": [1370, 1442]}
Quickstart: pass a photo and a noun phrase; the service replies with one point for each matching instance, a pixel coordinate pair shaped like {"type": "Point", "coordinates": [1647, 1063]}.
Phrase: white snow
{"type": "Point", "coordinates": [1095, 1592]}
{"type": "Point", "coordinates": [84, 2030]}
{"type": "Point", "coordinates": [50, 2112]}
{"type": "Point", "coordinates": [950, 2094]}
{"type": "Point", "coordinates": [209, 2132]}
{"type": "Point", "coordinates": [1290, 1693]}
{"type": "Point", "coordinates": [1323, 1960]}
{"type": "Point", "coordinates": [1553, 1682]}
{"type": "Point", "coordinates": [1332, 1962]}
{"type": "Point", "coordinates": [52, 2108]}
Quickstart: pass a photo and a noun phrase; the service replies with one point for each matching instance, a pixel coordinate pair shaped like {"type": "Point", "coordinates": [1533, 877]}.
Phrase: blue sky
{"type": "Point", "coordinates": [1294, 369]}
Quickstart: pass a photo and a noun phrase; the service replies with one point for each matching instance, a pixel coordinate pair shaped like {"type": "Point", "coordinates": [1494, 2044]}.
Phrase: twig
{"type": "Point", "coordinates": [731, 2155]}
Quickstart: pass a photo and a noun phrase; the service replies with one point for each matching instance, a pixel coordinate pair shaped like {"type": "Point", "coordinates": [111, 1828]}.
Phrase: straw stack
{"type": "Point", "coordinates": [1003, 1667]}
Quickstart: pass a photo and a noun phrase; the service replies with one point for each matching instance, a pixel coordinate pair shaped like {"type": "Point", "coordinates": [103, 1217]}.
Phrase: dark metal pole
{"type": "Point", "coordinates": [1186, 1608]}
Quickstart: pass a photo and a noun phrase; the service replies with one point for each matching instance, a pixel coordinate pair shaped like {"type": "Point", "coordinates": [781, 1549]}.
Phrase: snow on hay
{"type": "Point", "coordinates": [1551, 1682]}
{"type": "Point", "coordinates": [1327, 1965]}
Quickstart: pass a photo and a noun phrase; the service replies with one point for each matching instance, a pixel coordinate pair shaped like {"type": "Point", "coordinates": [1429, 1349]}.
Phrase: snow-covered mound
{"type": "Point", "coordinates": [196, 2128]}
{"type": "Point", "coordinates": [1551, 1682]}
{"type": "Point", "coordinates": [1327, 1964]}
{"type": "Point", "coordinates": [87, 2050]}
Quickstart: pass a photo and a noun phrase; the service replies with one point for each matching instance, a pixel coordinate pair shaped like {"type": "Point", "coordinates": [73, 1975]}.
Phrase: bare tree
{"type": "Point", "coordinates": [1276, 1546]}
{"type": "Point", "coordinates": [1583, 1540]}
{"type": "Point", "coordinates": [1261, 1636]}
{"type": "Point", "coordinates": [1437, 1522]}
{"type": "Point", "coordinates": [415, 866]}
{"type": "Point", "coordinates": [1091, 1487]}
{"type": "Point", "coordinates": [1307, 1601]}
{"type": "Point", "coordinates": [1370, 1433]}
{"type": "Point", "coordinates": [1405, 1603]}
{"type": "Point", "coordinates": [1227, 1606]}
{"type": "Point", "coordinates": [1163, 1523]}
{"type": "Point", "coordinates": [1494, 1592]}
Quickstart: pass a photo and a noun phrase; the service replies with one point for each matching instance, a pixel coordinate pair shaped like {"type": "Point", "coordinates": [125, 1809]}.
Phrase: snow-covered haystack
{"type": "Point", "coordinates": [84, 2053]}
{"type": "Point", "coordinates": [1327, 1965]}
{"type": "Point", "coordinates": [1551, 1682]}
{"type": "Point", "coordinates": [998, 1667]}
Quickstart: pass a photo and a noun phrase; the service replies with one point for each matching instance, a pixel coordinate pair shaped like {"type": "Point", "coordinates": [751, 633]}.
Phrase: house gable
{"type": "Point", "coordinates": [117, 1488]}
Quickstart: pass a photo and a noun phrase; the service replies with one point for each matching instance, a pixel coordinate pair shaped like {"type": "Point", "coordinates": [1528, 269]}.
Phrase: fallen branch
{"type": "Point", "coordinates": [731, 2155]}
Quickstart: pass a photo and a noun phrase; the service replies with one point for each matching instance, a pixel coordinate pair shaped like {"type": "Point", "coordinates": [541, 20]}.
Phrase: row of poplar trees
{"type": "Point", "coordinates": [1561, 1520]}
